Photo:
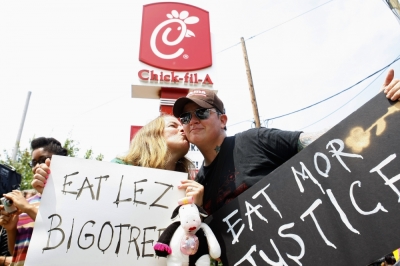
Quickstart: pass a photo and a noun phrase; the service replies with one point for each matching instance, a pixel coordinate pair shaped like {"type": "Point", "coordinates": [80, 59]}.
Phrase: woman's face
{"type": "Point", "coordinates": [39, 156]}
{"type": "Point", "coordinates": [175, 136]}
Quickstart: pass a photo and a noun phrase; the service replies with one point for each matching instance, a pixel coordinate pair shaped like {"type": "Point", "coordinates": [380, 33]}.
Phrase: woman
{"type": "Point", "coordinates": [159, 144]}
{"type": "Point", "coordinates": [162, 144]}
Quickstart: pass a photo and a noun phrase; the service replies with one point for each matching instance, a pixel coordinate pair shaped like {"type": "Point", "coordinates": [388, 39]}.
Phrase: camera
{"type": "Point", "coordinates": [8, 205]}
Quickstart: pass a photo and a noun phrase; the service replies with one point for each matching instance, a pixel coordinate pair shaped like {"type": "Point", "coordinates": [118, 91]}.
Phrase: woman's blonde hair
{"type": "Point", "coordinates": [149, 149]}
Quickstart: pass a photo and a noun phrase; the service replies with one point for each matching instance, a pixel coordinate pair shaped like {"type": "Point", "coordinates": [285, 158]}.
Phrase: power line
{"type": "Point", "coordinates": [348, 100]}
{"type": "Point", "coordinates": [266, 121]}
{"type": "Point", "coordinates": [336, 94]}
{"type": "Point", "coordinates": [345, 103]}
{"type": "Point", "coordinates": [275, 26]}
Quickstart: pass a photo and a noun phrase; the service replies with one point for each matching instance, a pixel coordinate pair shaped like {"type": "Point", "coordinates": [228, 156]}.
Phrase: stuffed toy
{"type": "Point", "coordinates": [188, 241]}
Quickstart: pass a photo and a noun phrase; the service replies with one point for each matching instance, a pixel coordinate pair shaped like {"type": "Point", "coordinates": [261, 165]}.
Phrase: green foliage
{"type": "Point", "coordinates": [213, 263]}
{"type": "Point", "coordinates": [89, 155]}
{"type": "Point", "coordinates": [23, 158]}
{"type": "Point", "coordinates": [71, 147]}
{"type": "Point", "coordinates": [99, 157]}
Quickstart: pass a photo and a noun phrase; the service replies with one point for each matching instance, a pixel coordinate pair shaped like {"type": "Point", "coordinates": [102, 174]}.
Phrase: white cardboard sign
{"type": "Point", "coordinates": [100, 213]}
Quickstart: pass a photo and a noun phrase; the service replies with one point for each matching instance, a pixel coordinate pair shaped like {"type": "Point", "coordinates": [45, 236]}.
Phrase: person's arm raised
{"type": "Point", "coordinates": [391, 86]}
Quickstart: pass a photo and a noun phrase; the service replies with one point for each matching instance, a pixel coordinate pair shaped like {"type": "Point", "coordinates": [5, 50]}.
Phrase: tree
{"type": "Point", "coordinates": [23, 158]}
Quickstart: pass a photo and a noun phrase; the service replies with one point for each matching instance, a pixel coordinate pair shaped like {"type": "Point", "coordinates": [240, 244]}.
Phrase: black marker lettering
{"type": "Point", "coordinates": [68, 183]}
{"type": "Point", "coordinates": [139, 190]}
{"type": "Point", "coordinates": [86, 235]}
{"type": "Point", "coordinates": [147, 241]}
{"type": "Point", "coordinates": [134, 240]}
{"type": "Point", "coordinates": [99, 185]}
{"type": "Point", "coordinates": [160, 231]}
{"type": "Point", "coordinates": [82, 188]}
{"type": "Point", "coordinates": [70, 236]}
{"type": "Point", "coordinates": [101, 232]}
{"type": "Point", "coordinates": [56, 229]}
{"type": "Point", "coordinates": [117, 201]}
{"type": "Point", "coordinates": [154, 203]}
{"type": "Point", "coordinates": [119, 239]}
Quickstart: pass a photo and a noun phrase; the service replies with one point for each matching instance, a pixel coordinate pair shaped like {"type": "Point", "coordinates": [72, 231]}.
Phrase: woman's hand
{"type": "Point", "coordinates": [193, 189]}
{"type": "Point", "coordinates": [40, 176]}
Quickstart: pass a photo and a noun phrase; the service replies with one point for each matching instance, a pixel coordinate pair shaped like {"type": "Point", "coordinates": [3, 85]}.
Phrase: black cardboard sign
{"type": "Point", "coordinates": [334, 203]}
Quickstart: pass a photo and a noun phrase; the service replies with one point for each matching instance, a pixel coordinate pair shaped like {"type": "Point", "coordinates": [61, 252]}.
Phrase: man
{"type": "Point", "coordinates": [20, 227]}
{"type": "Point", "coordinates": [233, 164]}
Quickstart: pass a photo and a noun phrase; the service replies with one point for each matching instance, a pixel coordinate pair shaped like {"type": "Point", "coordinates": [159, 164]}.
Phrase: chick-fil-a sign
{"type": "Point", "coordinates": [175, 36]}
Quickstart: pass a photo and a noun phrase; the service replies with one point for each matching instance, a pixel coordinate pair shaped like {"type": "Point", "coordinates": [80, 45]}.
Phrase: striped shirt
{"type": "Point", "coordinates": [24, 233]}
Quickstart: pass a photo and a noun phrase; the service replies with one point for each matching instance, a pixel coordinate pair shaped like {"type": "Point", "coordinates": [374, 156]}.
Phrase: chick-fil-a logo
{"type": "Point", "coordinates": [175, 17]}
{"type": "Point", "coordinates": [175, 36]}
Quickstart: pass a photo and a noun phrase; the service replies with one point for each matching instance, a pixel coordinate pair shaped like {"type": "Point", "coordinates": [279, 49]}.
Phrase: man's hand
{"type": "Point", "coordinates": [40, 176]}
{"type": "Point", "coordinates": [391, 86]}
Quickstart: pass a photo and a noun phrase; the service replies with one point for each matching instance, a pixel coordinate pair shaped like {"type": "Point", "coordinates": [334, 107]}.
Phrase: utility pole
{"type": "Point", "coordinates": [21, 127]}
{"type": "Point", "coordinates": [251, 87]}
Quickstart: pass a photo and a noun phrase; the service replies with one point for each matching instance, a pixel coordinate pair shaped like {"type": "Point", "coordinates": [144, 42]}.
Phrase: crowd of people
{"type": "Point", "coordinates": [231, 164]}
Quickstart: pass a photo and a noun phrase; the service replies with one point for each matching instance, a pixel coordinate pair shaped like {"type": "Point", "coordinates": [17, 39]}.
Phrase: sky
{"type": "Point", "coordinates": [77, 60]}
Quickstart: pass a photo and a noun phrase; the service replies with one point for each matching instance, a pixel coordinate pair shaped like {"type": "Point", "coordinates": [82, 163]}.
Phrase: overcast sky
{"type": "Point", "coordinates": [76, 58]}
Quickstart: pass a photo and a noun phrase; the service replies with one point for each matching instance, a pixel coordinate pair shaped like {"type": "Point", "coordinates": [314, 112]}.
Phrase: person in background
{"type": "Point", "coordinates": [390, 260]}
{"type": "Point", "coordinates": [29, 193]}
{"type": "Point", "coordinates": [5, 256]}
{"type": "Point", "coordinates": [233, 164]}
{"type": "Point", "coordinates": [19, 225]}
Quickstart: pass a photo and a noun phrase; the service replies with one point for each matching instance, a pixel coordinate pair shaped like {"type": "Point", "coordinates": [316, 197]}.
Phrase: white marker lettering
{"type": "Point", "coordinates": [328, 164]}
{"type": "Point", "coordinates": [305, 173]}
{"type": "Point", "coordinates": [248, 257]}
{"type": "Point", "coordinates": [390, 181]}
{"type": "Point", "coordinates": [296, 238]}
{"type": "Point", "coordinates": [273, 206]}
{"type": "Point", "coordinates": [230, 227]}
{"type": "Point", "coordinates": [251, 209]}
{"type": "Point", "coordinates": [338, 153]}
{"type": "Point", "coordinates": [377, 208]}
{"type": "Point", "coordinates": [343, 216]}
{"type": "Point", "coordinates": [310, 212]}
{"type": "Point", "coordinates": [280, 262]}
